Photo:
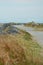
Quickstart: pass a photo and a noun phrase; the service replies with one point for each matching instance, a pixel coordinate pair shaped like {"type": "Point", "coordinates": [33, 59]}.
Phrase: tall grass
{"type": "Point", "coordinates": [20, 49]}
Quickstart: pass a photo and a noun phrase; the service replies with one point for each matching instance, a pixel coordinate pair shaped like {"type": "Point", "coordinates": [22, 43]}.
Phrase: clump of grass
{"type": "Point", "coordinates": [7, 48]}
{"type": "Point", "coordinates": [1, 61]}
{"type": "Point", "coordinates": [11, 55]}
{"type": "Point", "coordinates": [27, 36]}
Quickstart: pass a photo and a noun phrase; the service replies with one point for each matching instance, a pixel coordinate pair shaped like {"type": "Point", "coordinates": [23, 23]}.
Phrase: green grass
{"type": "Point", "coordinates": [27, 37]}
{"type": "Point", "coordinates": [21, 49]}
{"type": "Point", "coordinates": [31, 47]}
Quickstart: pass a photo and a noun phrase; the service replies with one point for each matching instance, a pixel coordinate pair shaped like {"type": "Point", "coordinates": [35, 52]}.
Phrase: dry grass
{"type": "Point", "coordinates": [10, 51]}
{"type": "Point", "coordinates": [20, 49]}
{"type": "Point", "coordinates": [32, 49]}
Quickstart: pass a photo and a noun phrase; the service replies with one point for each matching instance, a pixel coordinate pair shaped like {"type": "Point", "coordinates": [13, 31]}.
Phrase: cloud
{"type": "Point", "coordinates": [20, 1]}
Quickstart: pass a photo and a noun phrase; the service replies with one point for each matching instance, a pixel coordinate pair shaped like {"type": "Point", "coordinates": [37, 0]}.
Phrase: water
{"type": "Point", "coordinates": [38, 35]}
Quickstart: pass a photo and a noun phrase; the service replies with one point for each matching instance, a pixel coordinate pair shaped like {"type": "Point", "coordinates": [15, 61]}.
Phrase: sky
{"type": "Point", "coordinates": [22, 11]}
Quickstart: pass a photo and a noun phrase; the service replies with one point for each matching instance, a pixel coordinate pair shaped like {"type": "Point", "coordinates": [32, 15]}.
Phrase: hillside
{"type": "Point", "coordinates": [19, 48]}
{"type": "Point", "coordinates": [11, 53]}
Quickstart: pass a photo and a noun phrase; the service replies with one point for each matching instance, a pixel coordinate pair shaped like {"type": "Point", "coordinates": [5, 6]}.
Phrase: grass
{"type": "Point", "coordinates": [32, 48]}
{"type": "Point", "coordinates": [11, 51]}
{"type": "Point", "coordinates": [20, 49]}
{"type": "Point", "coordinates": [1, 61]}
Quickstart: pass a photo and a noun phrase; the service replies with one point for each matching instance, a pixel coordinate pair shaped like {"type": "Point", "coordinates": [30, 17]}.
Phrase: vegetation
{"type": "Point", "coordinates": [39, 27]}
{"type": "Point", "coordinates": [36, 26]}
{"type": "Point", "coordinates": [32, 50]}
{"type": "Point", "coordinates": [10, 51]}
{"type": "Point", "coordinates": [19, 49]}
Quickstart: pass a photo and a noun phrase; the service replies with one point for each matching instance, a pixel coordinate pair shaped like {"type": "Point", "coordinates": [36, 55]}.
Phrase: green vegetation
{"type": "Point", "coordinates": [19, 49]}
{"type": "Point", "coordinates": [27, 36]}
{"type": "Point", "coordinates": [31, 48]}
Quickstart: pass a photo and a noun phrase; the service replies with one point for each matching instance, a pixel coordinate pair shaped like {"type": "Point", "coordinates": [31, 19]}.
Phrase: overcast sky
{"type": "Point", "coordinates": [21, 10]}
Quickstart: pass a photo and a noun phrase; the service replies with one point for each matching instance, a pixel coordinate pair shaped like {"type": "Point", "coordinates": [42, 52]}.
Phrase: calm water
{"type": "Point", "coordinates": [38, 35]}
